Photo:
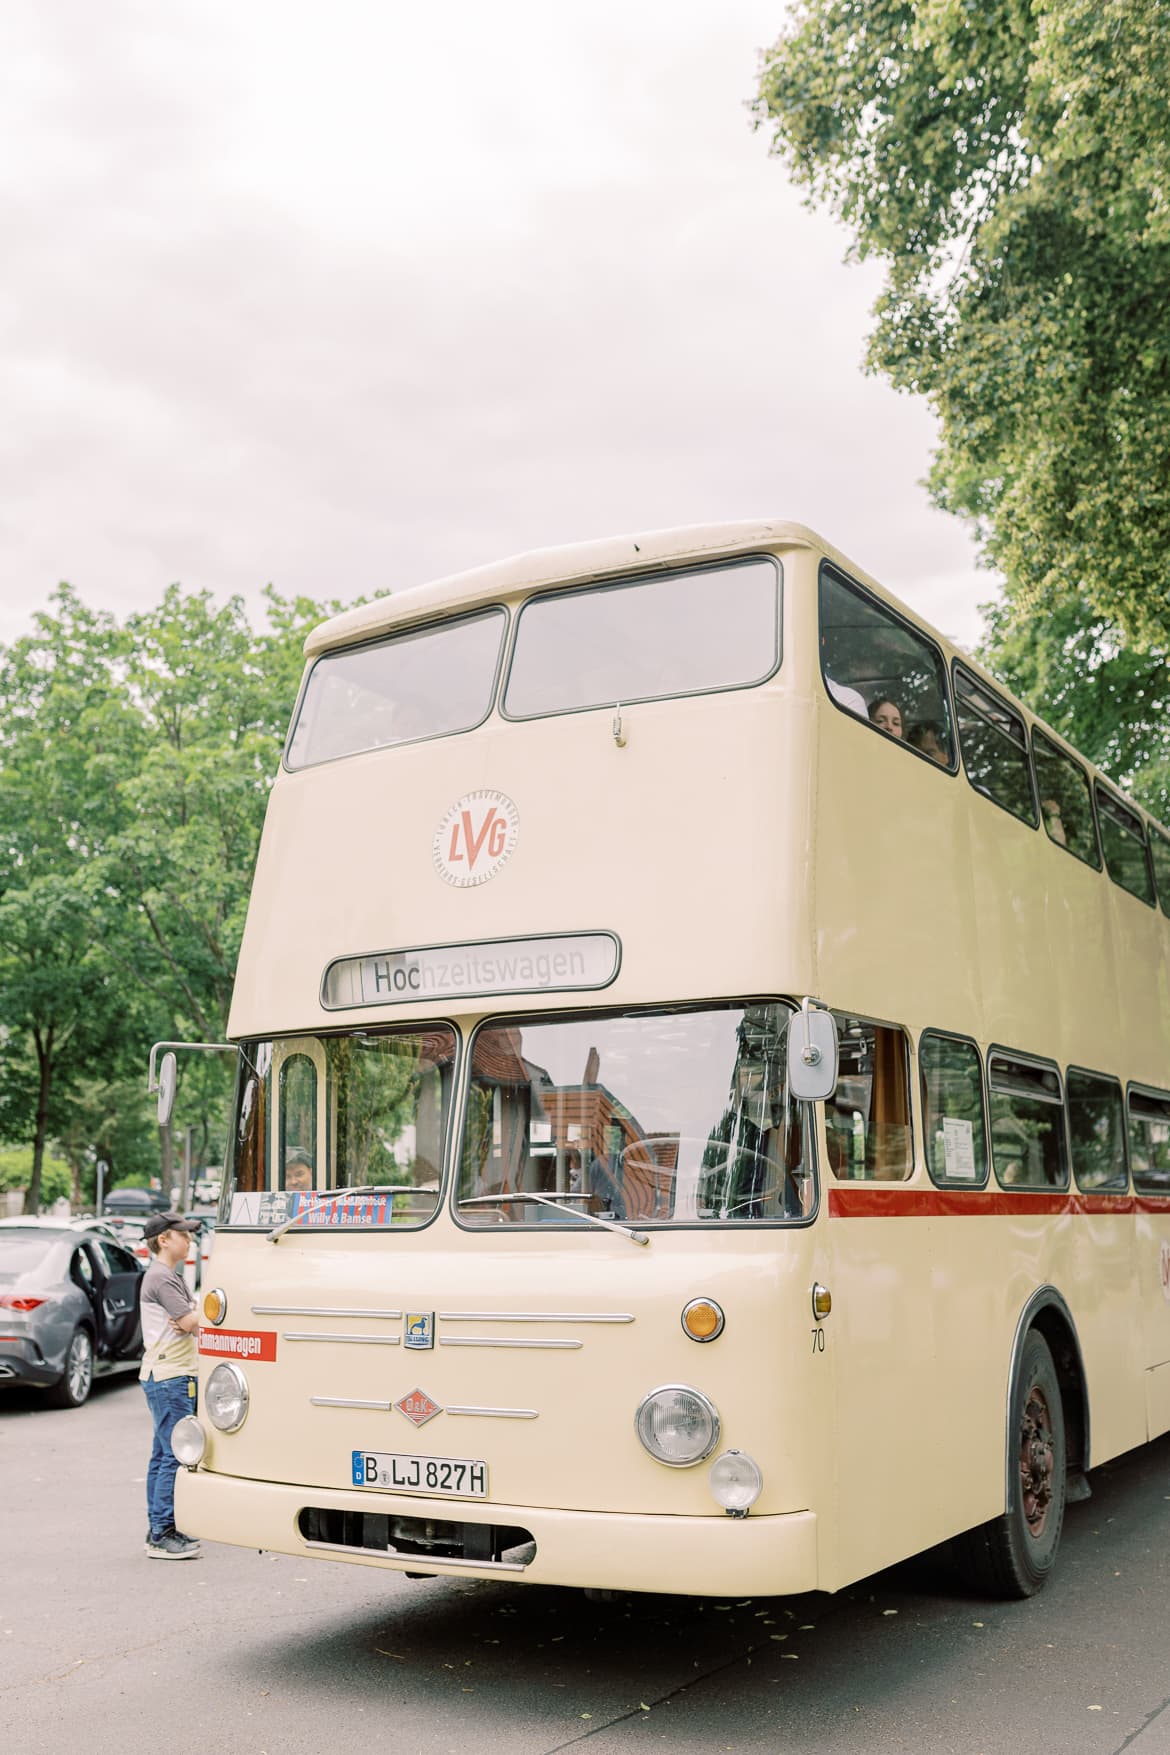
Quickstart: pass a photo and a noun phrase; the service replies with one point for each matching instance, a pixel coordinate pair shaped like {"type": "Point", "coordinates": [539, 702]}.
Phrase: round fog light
{"type": "Point", "coordinates": [188, 1441]}
{"type": "Point", "coordinates": [226, 1398]}
{"type": "Point", "coordinates": [677, 1425]}
{"type": "Point", "coordinates": [735, 1480]}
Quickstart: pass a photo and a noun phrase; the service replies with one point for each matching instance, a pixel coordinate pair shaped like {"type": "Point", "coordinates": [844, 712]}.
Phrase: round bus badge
{"type": "Point", "coordinates": [475, 837]}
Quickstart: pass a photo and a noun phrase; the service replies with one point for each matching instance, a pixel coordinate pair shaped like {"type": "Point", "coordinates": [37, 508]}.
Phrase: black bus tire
{"type": "Point", "coordinates": [1013, 1555]}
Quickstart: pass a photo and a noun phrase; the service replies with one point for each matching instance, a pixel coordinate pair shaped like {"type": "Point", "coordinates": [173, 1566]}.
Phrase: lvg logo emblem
{"type": "Point", "coordinates": [475, 837]}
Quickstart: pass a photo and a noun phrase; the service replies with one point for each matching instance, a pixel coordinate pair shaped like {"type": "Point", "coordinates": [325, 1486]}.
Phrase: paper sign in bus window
{"type": "Point", "coordinates": [959, 1148]}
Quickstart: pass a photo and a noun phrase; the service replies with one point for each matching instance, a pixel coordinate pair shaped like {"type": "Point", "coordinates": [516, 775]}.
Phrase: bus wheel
{"type": "Point", "coordinates": [1013, 1555]}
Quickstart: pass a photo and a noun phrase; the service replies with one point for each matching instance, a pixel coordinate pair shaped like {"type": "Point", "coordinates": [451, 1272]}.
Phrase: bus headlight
{"type": "Point", "coordinates": [188, 1441]}
{"type": "Point", "coordinates": [677, 1425]}
{"type": "Point", "coordinates": [735, 1481]}
{"type": "Point", "coordinates": [226, 1398]}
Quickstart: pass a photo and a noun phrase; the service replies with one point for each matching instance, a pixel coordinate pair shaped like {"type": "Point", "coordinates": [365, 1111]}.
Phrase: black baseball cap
{"type": "Point", "coordinates": [168, 1222]}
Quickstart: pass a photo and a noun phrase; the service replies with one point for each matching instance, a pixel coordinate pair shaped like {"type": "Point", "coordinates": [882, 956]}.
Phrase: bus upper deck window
{"type": "Point", "coordinates": [1160, 856]}
{"type": "Point", "coordinates": [1124, 841]}
{"type": "Point", "coordinates": [1027, 1123]}
{"type": "Point", "coordinates": [1066, 805]}
{"type": "Point", "coordinates": [423, 682]}
{"type": "Point", "coordinates": [685, 633]}
{"type": "Point", "coordinates": [994, 742]}
{"type": "Point", "coordinates": [881, 669]}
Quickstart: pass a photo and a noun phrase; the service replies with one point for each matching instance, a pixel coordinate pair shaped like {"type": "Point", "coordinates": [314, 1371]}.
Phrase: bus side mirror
{"type": "Point", "coordinates": [812, 1054]}
{"type": "Point", "coordinates": [167, 1082]}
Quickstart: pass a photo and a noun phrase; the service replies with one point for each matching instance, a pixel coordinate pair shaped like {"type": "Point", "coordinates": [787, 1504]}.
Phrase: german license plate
{"type": "Point", "coordinates": [456, 1476]}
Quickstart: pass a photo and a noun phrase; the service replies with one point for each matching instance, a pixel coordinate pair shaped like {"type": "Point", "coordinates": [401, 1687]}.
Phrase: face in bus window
{"type": "Point", "coordinates": [887, 716]}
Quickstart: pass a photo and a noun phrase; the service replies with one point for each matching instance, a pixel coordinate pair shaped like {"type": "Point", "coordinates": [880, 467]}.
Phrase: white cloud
{"type": "Point", "coordinates": [349, 298]}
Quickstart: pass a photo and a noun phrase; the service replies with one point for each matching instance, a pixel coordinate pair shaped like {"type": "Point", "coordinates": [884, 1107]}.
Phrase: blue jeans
{"type": "Point", "coordinates": [168, 1401]}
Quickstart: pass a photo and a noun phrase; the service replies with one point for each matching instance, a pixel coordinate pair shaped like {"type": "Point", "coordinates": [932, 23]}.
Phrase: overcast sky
{"type": "Point", "coordinates": [348, 297]}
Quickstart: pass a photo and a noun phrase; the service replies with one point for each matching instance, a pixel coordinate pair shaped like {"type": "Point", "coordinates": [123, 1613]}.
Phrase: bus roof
{"type": "Point", "coordinates": [579, 562]}
{"type": "Point", "coordinates": [569, 564]}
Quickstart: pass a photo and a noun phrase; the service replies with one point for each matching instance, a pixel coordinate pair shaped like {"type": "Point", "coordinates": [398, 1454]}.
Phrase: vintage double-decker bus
{"type": "Point", "coordinates": [703, 1106]}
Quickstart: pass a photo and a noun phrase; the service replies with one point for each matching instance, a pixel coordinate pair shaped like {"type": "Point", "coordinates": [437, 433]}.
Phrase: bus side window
{"type": "Point", "coordinates": [1027, 1123]}
{"type": "Point", "coordinates": [1097, 1131]}
{"type": "Point", "coordinates": [1066, 804]}
{"type": "Point", "coordinates": [953, 1115]}
{"type": "Point", "coordinates": [867, 1120]}
{"type": "Point", "coordinates": [1160, 854]}
{"type": "Point", "coordinates": [884, 671]}
{"type": "Point", "coordinates": [1149, 1141]}
{"type": "Point", "coordinates": [994, 743]}
{"type": "Point", "coordinates": [1124, 841]}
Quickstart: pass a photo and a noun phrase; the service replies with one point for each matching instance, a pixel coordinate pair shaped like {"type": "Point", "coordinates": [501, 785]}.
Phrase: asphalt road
{"type": "Point", "coordinates": [105, 1652]}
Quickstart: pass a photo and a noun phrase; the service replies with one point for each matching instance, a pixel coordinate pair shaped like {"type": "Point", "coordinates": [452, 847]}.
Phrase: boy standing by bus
{"type": "Point", "coordinates": [169, 1321]}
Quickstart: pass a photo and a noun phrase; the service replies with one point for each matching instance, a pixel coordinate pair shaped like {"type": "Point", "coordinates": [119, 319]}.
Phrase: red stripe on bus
{"type": "Point", "coordinates": [924, 1203]}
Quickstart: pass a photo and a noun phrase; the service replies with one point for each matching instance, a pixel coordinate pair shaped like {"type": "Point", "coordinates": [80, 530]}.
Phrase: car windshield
{"type": "Point", "coordinates": [679, 1117]}
{"type": "Point", "coordinates": [22, 1251]}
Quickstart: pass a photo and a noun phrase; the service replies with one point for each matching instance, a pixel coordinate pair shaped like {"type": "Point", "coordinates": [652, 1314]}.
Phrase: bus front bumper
{"type": "Point", "coordinates": [689, 1556]}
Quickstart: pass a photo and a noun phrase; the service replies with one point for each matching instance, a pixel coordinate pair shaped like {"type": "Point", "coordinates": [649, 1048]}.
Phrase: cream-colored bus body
{"type": "Point", "coordinates": [761, 842]}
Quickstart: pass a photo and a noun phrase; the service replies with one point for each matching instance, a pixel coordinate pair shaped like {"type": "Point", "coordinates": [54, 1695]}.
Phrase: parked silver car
{"type": "Point", "coordinates": [68, 1308]}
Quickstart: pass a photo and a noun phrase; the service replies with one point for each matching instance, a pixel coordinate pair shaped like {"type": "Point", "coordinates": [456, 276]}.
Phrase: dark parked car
{"type": "Point", "coordinates": [140, 1202]}
{"type": "Point", "coordinates": [68, 1308]}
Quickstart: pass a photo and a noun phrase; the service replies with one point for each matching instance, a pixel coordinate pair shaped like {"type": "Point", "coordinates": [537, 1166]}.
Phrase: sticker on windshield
{"type": "Point", "coordinates": [275, 1207]}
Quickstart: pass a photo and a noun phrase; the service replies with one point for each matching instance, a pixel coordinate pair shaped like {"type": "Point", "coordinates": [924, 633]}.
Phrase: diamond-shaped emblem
{"type": "Point", "coordinates": [418, 1407]}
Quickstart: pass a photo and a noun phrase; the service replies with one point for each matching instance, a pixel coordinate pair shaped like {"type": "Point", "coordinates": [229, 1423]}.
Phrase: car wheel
{"type": "Point", "coordinates": [77, 1379]}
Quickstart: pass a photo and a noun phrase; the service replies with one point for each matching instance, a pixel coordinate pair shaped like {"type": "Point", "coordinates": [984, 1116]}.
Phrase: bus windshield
{"type": "Point", "coordinates": [679, 1117]}
{"type": "Point", "coordinates": [427, 682]}
{"type": "Point", "coordinates": [314, 1115]}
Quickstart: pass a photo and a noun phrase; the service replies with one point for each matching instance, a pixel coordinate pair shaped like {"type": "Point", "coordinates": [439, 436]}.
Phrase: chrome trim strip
{"type": "Point", "coordinates": [491, 1341]}
{"type": "Point", "coordinates": [342, 1401]}
{"type": "Point", "coordinates": [496, 1413]}
{"type": "Point", "coordinates": [320, 1310]}
{"type": "Point", "coordinates": [354, 1340]}
{"type": "Point", "coordinates": [530, 1316]}
{"type": "Point", "coordinates": [418, 1561]}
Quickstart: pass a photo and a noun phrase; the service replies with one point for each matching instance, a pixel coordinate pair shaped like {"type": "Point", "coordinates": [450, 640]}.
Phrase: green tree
{"type": "Point", "coordinates": [1075, 669]}
{"type": "Point", "coordinates": [1009, 162]}
{"type": "Point", "coordinates": [59, 1002]}
{"type": "Point", "coordinates": [135, 764]}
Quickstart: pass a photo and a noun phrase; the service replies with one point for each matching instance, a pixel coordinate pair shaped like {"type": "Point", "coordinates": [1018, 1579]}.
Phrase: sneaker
{"type": "Point", "coordinates": [173, 1546]}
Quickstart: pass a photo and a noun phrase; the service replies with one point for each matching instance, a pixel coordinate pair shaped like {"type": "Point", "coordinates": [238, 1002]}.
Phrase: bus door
{"type": "Point", "coordinates": [298, 1150]}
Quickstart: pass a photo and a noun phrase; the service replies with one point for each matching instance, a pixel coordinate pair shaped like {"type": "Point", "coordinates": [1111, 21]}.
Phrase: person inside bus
{"type": "Point", "coordinates": [848, 697]}
{"type": "Point", "coordinates": [298, 1171]}
{"type": "Point", "coordinates": [886, 715]}
{"type": "Point", "coordinates": [1053, 821]}
{"type": "Point", "coordinates": [929, 737]}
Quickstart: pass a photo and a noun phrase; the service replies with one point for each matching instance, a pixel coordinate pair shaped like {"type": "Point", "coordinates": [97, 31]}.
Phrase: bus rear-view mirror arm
{"type": "Point", "coordinates": [165, 1080]}
{"type": "Point", "coordinates": [812, 1052]}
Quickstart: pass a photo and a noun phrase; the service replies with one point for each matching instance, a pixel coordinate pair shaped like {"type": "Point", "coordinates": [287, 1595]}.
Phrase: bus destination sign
{"type": "Point", "coordinates": [570, 961]}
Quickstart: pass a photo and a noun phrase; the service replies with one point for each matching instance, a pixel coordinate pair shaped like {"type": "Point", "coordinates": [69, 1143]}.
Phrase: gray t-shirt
{"type": "Point", "coordinates": [164, 1295]}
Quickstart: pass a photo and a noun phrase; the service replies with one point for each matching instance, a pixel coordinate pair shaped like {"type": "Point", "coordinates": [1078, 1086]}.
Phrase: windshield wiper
{"type": "Point", "coordinates": [348, 1194]}
{"type": "Point", "coordinates": [547, 1200]}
